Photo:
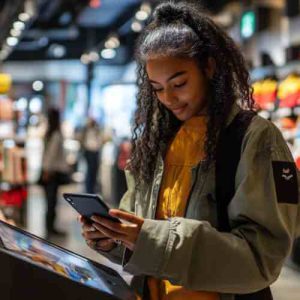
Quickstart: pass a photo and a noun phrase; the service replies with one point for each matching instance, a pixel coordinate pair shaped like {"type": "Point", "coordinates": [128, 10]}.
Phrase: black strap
{"type": "Point", "coordinates": [227, 160]}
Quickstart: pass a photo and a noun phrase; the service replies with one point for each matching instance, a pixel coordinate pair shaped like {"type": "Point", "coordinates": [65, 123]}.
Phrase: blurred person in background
{"type": "Point", "coordinates": [91, 142]}
{"type": "Point", "coordinates": [123, 156]}
{"type": "Point", "coordinates": [107, 167]}
{"type": "Point", "coordinates": [55, 169]}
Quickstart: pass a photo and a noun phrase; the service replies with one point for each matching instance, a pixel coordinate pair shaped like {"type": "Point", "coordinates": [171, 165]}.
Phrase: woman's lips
{"type": "Point", "coordinates": [179, 110]}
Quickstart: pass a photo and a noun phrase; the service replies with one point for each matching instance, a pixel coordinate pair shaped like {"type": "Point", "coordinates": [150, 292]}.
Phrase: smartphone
{"type": "Point", "coordinates": [88, 205]}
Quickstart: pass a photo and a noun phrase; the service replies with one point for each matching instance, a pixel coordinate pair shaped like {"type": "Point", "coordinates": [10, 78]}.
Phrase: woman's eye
{"type": "Point", "coordinates": [180, 85]}
{"type": "Point", "coordinates": [157, 90]}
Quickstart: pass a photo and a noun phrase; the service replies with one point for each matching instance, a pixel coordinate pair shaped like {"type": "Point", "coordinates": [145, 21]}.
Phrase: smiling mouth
{"type": "Point", "coordinates": [178, 109]}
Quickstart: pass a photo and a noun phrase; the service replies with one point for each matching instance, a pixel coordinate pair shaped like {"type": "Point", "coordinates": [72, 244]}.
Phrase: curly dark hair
{"type": "Point", "coordinates": [181, 29]}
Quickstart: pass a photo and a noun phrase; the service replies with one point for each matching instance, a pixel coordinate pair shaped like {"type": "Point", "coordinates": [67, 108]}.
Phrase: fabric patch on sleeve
{"type": "Point", "coordinates": [285, 176]}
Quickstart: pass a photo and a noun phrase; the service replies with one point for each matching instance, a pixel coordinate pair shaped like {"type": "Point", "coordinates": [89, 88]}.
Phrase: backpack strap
{"type": "Point", "coordinates": [227, 160]}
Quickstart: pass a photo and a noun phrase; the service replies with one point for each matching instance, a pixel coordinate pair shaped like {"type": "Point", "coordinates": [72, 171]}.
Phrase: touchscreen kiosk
{"type": "Point", "coordinates": [25, 258]}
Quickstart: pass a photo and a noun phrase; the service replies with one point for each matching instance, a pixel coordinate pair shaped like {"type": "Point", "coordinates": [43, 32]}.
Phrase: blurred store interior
{"type": "Point", "coordinates": [78, 56]}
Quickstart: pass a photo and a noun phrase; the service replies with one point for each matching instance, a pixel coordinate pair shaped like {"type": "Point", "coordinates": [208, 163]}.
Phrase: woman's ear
{"type": "Point", "coordinates": [210, 68]}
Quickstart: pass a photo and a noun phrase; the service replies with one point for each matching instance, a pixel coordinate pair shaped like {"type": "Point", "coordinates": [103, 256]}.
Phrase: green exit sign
{"type": "Point", "coordinates": [248, 24]}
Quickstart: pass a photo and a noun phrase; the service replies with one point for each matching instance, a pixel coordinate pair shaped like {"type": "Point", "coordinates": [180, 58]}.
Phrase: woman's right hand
{"type": "Point", "coordinates": [94, 238]}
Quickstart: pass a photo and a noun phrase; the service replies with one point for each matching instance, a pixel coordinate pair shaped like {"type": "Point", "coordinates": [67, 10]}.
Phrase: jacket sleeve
{"type": "Point", "coordinates": [195, 255]}
{"type": "Point", "coordinates": [119, 253]}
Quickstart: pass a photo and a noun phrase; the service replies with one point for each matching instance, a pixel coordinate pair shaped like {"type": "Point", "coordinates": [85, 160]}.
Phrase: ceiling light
{"type": "Point", "coordinates": [22, 104]}
{"type": "Point", "coordinates": [57, 50]}
{"type": "Point", "coordinates": [35, 105]}
{"type": "Point", "coordinates": [108, 53]}
{"type": "Point", "coordinates": [18, 25]}
{"type": "Point", "coordinates": [85, 59]}
{"type": "Point", "coordinates": [34, 119]}
{"type": "Point", "coordinates": [146, 7]}
{"type": "Point", "coordinates": [15, 32]}
{"type": "Point", "coordinates": [112, 43]}
{"type": "Point", "coordinates": [38, 86]}
{"type": "Point", "coordinates": [141, 15]}
{"type": "Point", "coordinates": [136, 26]}
{"type": "Point", "coordinates": [94, 56]}
{"type": "Point", "coordinates": [12, 41]}
{"type": "Point", "coordinates": [24, 17]}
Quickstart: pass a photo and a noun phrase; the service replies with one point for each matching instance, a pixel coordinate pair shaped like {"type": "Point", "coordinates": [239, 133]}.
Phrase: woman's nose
{"type": "Point", "coordinates": [169, 98]}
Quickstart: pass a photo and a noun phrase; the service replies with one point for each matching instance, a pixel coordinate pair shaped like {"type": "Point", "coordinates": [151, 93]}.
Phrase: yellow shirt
{"type": "Point", "coordinates": [185, 151]}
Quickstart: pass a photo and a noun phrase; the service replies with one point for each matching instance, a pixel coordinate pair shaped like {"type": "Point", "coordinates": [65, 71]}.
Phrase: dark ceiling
{"type": "Point", "coordinates": [74, 26]}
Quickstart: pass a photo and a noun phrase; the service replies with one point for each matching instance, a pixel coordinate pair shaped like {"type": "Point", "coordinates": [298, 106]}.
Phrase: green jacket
{"type": "Point", "coordinates": [191, 252]}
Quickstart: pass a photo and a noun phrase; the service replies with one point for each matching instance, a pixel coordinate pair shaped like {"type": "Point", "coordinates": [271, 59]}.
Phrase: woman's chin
{"type": "Point", "coordinates": [184, 116]}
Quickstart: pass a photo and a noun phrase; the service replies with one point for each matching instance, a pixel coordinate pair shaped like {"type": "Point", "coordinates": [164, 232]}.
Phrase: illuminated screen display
{"type": "Point", "coordinates": [54, 259]}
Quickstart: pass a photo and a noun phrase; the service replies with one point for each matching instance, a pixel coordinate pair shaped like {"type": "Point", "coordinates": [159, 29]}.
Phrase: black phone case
{"type": "Point", "coordinates": [88, 205]}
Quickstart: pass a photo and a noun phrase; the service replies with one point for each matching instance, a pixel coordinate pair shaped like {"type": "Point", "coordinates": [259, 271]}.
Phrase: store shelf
{"type": "Point", "coordinates": [6, 186]}
{"type": "Point", "coordinates": [283, 112]}
{"type": "Point", "coordinates": [280, 71]}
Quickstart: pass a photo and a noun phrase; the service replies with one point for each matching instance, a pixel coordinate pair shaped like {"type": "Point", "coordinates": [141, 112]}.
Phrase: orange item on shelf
{"type": "Point", "coordinates": [288, 123]}
{"type": "Point", "coordinates": [298, 162]}
{"type": "Point", "coordinates": [5, 83]}
{"type": "Point", "coordinates": [265, 93]}
{"type": "Point", "coordinates": [289, 91]}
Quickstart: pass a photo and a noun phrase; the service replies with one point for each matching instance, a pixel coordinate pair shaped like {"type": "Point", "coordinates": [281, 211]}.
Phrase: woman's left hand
{"type": "Point", "coordinates": [127, 233]}
{"type": "Point", "coordinates": [4, 219]}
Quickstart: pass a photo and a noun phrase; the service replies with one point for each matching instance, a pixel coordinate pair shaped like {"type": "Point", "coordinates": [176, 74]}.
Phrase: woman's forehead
{"type": "Point", "coordinates": [164, 66]}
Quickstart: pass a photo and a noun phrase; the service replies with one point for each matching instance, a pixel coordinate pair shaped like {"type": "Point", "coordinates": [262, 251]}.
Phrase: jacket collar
{"type": "Point", "coordinates": [233, 113]}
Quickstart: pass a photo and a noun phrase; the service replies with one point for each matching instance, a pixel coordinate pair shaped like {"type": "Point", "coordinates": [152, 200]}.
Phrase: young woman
{"type": "Point", "coordinates": [193, 82]}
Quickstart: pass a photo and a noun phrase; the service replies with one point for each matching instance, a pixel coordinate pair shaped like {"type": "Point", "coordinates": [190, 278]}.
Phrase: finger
{"type": "Point", "coordinates": [128, 231]}
{"type": "Point", "coordinates": [93, 235]}
{"type": "Point", "coordinates": [114, 226]}
{"type": "Point", "coordinates": [11, 222]}
{"type": "Point", "coordinates": [109, 233]}
{"type": "Point", "coordinates": [126, 216]}
{"type": "Point", "coordinates": [92, 244]}
{"type": "Point", "coordinates": [105, 244]}
{"type": "Point", "coordinates": [2, 218]}
{"type": "Point", "coordinates": [83, 220]}
{"type": "Point", "coordinates": [88, 228]}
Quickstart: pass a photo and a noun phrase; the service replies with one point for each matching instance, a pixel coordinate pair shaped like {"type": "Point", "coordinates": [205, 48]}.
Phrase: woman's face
{"type": "Point", "coordinates": [179, 84]}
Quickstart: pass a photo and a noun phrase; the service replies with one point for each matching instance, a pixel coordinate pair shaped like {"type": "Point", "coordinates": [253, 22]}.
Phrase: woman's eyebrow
{"type": "Point", "coordinates": [177, 74]}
